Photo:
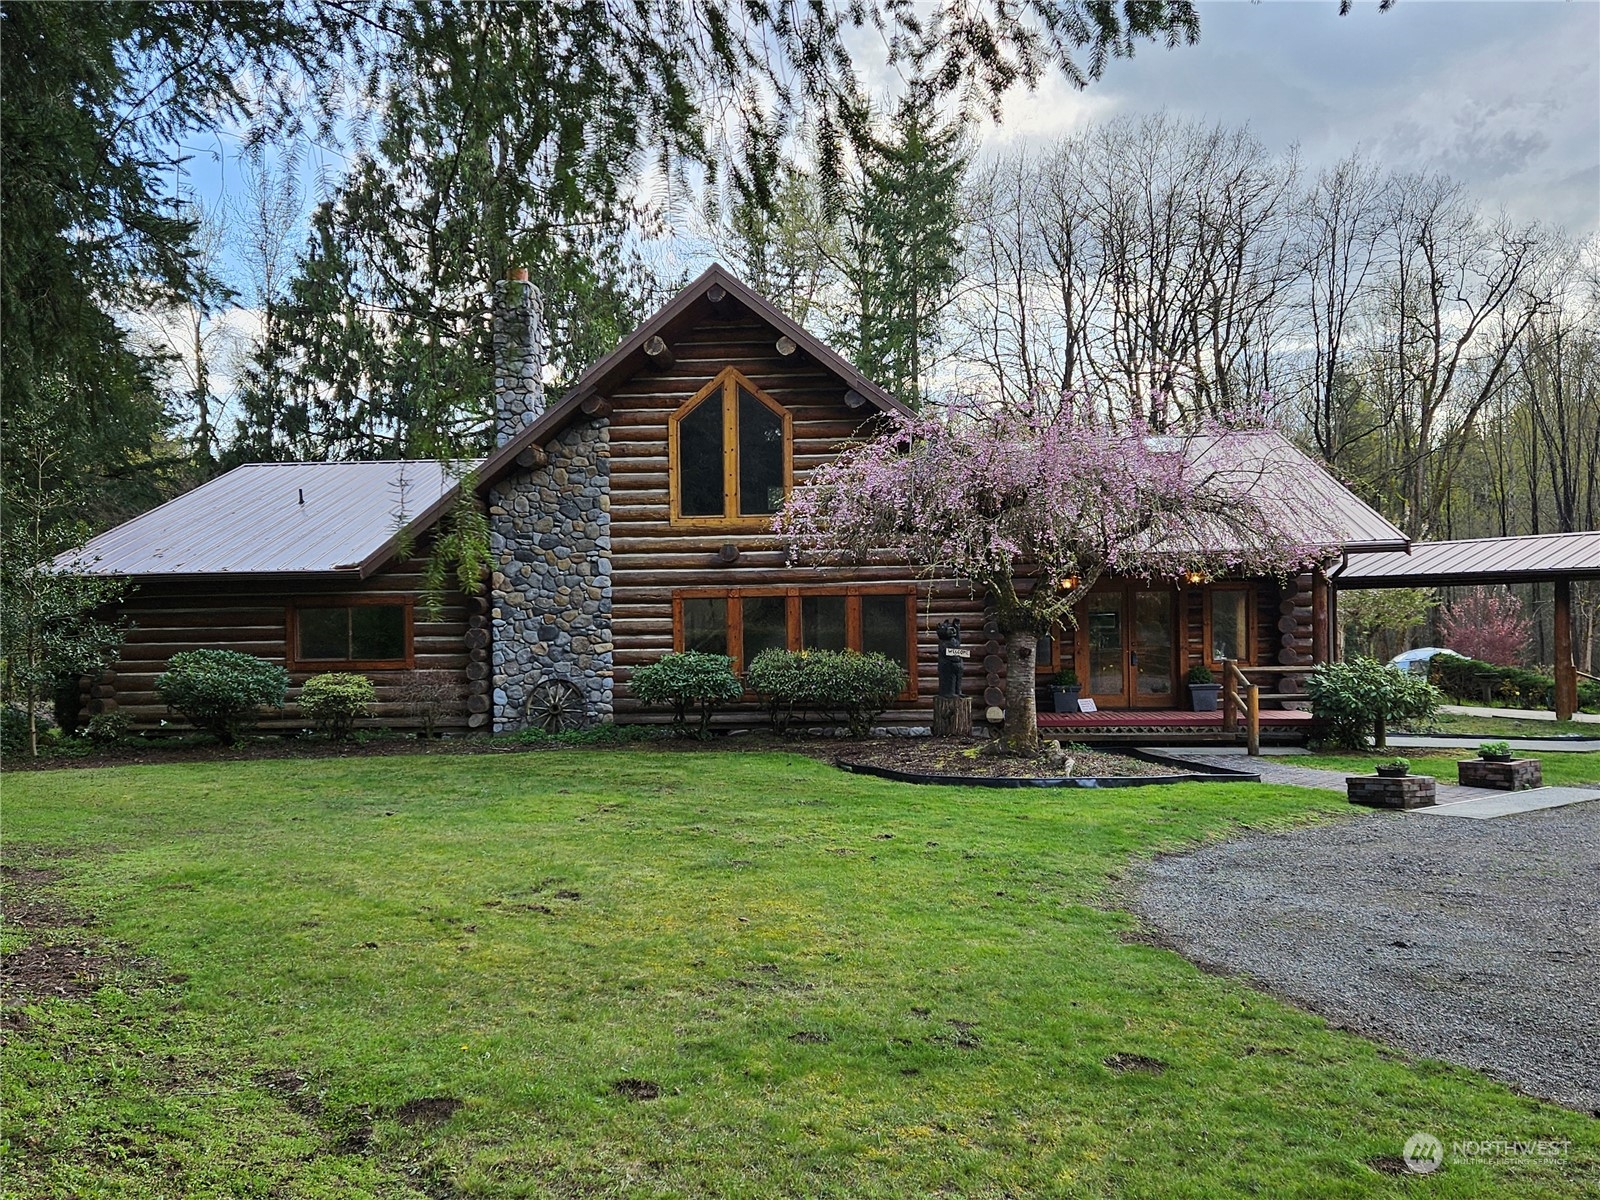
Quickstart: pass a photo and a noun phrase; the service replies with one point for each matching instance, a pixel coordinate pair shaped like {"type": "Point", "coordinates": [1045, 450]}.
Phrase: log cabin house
{"type": "Point", "coordinates": [632, 518]}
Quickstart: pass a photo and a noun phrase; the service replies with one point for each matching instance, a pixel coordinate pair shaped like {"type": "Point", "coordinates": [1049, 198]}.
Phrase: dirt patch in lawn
{"type": "Point", "coordinates": [637, 1089]}
{"type": "Point", "coordinates": [47, 965]}
{"type": "Point", "coordinates": [427, 1110]}
{"type": "Point", "coordinates": [1135, 1064]}
{"type": "Point", "coordinates": [968, 760]}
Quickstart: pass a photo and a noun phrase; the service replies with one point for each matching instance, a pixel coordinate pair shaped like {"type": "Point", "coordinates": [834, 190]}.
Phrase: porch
{"type": "Point", "coordinates": [1171, 727]}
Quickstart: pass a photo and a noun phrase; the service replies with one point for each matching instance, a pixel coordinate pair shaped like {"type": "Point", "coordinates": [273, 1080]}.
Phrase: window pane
{"type": "Point", "coordinates": [705, 624]}
{"type": "Point", "coordinates": [700, 460]}
{"type": "Point", "coordinates": [883, 627]}
{"type": "Point", "coordinates": [1229, 626]}
{"type": "Point", "coordinates": [378, 632]}
{"type": "Point", "coordinates": [760, 457]}
{"type": "Point", "coordinates": [324, 632]}
{"type": "Point", "coordinates": [1044, 656]}
{"type": "Point", "coordinates": [822, 622]}
{"type": "Point", "coordinates": [766, 625]}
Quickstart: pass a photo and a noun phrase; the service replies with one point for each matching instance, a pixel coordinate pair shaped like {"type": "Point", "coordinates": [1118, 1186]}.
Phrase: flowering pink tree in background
{"type": "Point", "coordinates": [1487, 624]}
{"type": "Point", "coordinates": [1032, 508]}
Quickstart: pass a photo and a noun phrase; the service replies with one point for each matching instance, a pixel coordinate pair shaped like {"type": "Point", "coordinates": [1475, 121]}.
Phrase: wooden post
{"type": "Point", "coordinates": [952, 716]}
{"type": "Point", "coordinates": [1566, 672]}
{"type": "Point", "coordinates": [1253, 727]}
{"type": "Point", "coordinates": [1230, 717]}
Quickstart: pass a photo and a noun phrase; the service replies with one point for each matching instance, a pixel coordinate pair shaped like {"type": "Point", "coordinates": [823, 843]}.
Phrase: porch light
{"type": "Point", "coordinates": [1195, 577]}
{"type": "Point", "coordinates": [1069, 583]}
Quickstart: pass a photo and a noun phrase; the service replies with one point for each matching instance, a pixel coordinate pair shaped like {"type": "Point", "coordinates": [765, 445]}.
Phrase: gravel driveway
{"type": "Point", "coordinates": [1472, 941]}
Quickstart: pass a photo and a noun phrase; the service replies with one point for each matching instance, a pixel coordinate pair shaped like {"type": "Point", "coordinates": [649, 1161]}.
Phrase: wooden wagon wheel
{"type": "Point", "coordinates": [556, 705]}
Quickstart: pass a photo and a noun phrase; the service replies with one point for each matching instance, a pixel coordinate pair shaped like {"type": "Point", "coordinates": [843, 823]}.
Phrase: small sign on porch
{"type": "Point", "coordinates": [954, 652]}
{"type": "Point", "coordinates": [1086, 705]}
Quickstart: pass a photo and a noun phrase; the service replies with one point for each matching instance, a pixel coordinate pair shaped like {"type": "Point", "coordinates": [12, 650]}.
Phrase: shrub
{"type": "Point", "coordinates": [335, 701]}
{"type": "Point", "coordinates": [1200, 673]}
{"type": "Point", "coordinates": [108, 728]}
{"type": "Point", "coordinates": [221, 691]}
{"type": "Point", "coordinates": [1354, 698]}
{"type": "Point", "coordinates": [429, 696]}
{"type": "Point", "coordinates": [842, 686]}
{"type": "Point", "coordinates": [13, 731]}
{"type": "Point", "coordinates": [691, 680]}
{"type": "Point", "coordinates": [1494, 749]}
{"type": "Point", "coordinates": [1476, 681]}
{"type": "Point", "coordinates": [1067, 678]}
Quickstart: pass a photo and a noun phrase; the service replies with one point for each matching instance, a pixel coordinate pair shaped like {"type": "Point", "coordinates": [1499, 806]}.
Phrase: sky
{"type": "Point", "coordinates": [1501, 94]}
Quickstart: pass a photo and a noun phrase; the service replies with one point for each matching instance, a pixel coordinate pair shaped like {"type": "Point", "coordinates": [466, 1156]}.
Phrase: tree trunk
{"type": "Point", "coordinates": [1380, 734]}
{"type": "Point", "coordinates": [1021, 732]}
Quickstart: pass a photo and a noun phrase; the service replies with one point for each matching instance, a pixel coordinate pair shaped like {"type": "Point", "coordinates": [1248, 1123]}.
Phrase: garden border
{"type": "Point", "coordinates": [1195, 774]}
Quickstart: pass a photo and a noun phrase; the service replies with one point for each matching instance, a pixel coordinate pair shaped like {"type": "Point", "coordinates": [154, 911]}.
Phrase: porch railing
{"type": "Point", "coordinates": [1240, 697]}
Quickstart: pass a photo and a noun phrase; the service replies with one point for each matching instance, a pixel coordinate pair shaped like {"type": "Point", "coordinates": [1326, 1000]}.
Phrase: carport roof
{"type": "Point", "coordinates": [1526, 559]}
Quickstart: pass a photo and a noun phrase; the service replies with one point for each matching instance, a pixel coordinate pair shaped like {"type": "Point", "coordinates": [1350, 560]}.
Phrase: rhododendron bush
{"type": "Point", "coordinates": [1032, 508]}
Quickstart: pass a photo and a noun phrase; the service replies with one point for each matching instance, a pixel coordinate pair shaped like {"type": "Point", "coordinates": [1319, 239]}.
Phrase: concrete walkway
{"type": "Point", "coordinates": [1524, 714]}
{"type": "Point", "coordinates": [1274, 771]}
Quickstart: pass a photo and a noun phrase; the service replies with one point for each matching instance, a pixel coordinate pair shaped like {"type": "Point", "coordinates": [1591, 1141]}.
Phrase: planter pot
{"type": "Point", "coordinates": [1394, 772]}
{"type": "Point", "coordinates": [1203, 696]}
{"type": "Point", "coordinates": [1065, 700]}
{"type": "Point", "coordinates": [1497, 758]}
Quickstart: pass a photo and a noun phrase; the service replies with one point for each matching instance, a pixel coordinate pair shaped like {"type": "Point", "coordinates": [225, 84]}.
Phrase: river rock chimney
{"type": "Point", "coordinates": [518, 355]}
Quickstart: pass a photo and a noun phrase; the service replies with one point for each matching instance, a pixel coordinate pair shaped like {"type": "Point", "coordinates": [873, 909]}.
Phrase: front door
{"type": "Point", "coordinates": [1127, 645]}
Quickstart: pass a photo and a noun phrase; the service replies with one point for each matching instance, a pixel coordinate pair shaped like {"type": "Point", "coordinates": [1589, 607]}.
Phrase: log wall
{"type": "Point", "coordinates": [651, 558]}
{"type": "Point", "coordinates": [251, 616]}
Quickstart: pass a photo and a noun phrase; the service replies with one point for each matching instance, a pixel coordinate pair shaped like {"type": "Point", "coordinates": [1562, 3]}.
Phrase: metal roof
{"type": "Point", "coordinates": [276, 518]}
{"type": "Point", "coordinates": [1478, 560]}
{"type": "Point", "coordinates": [1296, 489]}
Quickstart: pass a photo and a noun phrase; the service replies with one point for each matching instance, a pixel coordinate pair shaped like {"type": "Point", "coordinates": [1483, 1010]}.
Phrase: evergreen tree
{"type": "Point", "coordinates": [903, 214]}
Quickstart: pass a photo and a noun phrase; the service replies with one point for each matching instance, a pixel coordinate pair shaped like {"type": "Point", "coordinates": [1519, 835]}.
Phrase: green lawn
{"type": "Point", "coordinates": [1557, 767]}
{"type": "Point", "coordinates": [841, 987]}
{"type": "Point", "coordinates": [1460, 725]}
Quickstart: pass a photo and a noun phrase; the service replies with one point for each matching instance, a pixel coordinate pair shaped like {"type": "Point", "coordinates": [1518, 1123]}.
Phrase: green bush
{"type": "Point", "coordinates": [839, 686]}
{"type": "Point", "coordinates": [335, 701]}
{"type": "Point", "coordinates": [1200, 673]}
{"type": "Point", "coordinates": [108, 728]}
{"type": "Point", "coordinates": [13, 731]}
{"type": "Point", "coordinates": [1477, 682]}
{"type": "Point", "coordinates": [221, 692]}
{"type": "Point", "coordinates": [691, 680]}
{"type": "Point", "coordinates": [1352, 699]}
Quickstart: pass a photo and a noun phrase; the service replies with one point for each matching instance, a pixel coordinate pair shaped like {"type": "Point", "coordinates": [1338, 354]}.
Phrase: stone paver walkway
{"type": "Point", "coordinates": [1277, 771]}
{"type": "Point", "coordinates": [1524, 714]}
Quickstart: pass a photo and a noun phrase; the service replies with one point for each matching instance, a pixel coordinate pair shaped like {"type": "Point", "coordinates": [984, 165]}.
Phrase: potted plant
{"type": "Point", "coordinates": [1064, 691]}
{"type": "Point", "coordinates": [1203, 689]}
{"type": "Point", "coordinates": [1395, 768]}
{"type": "Point", "coordinates": [1495, 751]}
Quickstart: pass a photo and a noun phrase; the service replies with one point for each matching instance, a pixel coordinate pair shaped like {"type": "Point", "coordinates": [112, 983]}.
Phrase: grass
{"type": "Point", "coordinates": [1558, 768]}
{"type": "Point", "coordinates": [1460, 725]}
{"type": "Point", "coordinates": [840, 986]}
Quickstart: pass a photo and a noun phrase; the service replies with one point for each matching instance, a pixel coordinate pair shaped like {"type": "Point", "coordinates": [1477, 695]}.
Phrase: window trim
{"type": "Point", "coordinates": [1250, 618]}
{"type": "Point", "coordinates": [294, 662]}
{"type": "Point", "coordinates": [793, 595]}
{"type": "Point", "coordinates": [727, 382]}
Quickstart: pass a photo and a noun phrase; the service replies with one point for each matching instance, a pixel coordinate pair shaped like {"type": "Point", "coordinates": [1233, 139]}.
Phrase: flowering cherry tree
{"type": "Point", "coordinates": [1032, 507]}
{"type": "Point", "coordinates": [1487, 624]}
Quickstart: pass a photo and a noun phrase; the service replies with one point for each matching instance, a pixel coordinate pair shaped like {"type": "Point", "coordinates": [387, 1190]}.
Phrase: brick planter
{"type": "Point", "coordinates": [1409, 791]}
{"type": "Point", "coordinates": [1511, 776]}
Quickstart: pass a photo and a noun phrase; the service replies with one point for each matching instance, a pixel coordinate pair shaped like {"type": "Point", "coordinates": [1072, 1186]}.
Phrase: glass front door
{"type": "Point", "coordinates": [1107, 682]}
{"type": "Point", "coordinates": [1152, 649]}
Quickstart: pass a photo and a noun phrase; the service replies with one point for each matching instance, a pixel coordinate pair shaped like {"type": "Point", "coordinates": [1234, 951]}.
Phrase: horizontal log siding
{"type": "Point", "coordinates": [248, 616]}
{"type": "Point", "coordinates": [651, 559]}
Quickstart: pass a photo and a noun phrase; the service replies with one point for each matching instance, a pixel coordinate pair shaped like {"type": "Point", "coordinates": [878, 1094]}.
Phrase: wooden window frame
{"type": "Point", "coordinates": [1250, 619]}
{"type": "Point", "coordinates": [292, 628]}
{"type": "Point", "coordinates": [727, 383]}
{"type": "Point", "coordinates": [792, 597]}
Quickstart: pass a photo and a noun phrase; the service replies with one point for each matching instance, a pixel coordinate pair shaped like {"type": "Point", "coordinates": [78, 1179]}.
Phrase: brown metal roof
{"type": "Point", "coordinates": [688, 308]}
{"type": "Point", "coordinates": [1478, 560]}
{"type": "Point", "coordinates": [1296, 489]}
{"type": "Point", "coordinates": [276, 518]}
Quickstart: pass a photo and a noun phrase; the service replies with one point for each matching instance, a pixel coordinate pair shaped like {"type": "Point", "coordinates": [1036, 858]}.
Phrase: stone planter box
{"type": "Point", "coordinates": [1511, 776]}
{"type": "Point", "coordinates": [1408, 791]}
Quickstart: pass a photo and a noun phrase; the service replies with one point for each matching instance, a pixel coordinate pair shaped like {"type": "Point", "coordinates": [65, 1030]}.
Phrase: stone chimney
{"type": "Point", "coordinates": [518, 355]}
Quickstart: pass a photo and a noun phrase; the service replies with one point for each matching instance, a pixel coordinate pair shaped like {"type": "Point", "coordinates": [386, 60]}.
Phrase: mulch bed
{"type": "Point", "coordinates": [940, 756]}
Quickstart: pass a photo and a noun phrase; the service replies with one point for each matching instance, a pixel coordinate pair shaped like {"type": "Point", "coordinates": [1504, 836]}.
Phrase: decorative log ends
{"type": "Point", "coordinates": [727, 554]}
{"type": "Point", "coordinates": [854, 399]}
{"type": "Point", "coordinates": [596, 406]}
{"type": "Point", "coordinates": [533, 456]}
{"type": "Point", "coordinates": [952, 716]}
{"type": "Point", "coordinates": [659, 353]}
{"type": "Point", "coordinates": [787, 345]}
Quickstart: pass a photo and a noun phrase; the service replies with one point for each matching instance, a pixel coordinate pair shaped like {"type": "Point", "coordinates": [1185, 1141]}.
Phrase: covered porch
{"type": "Point", "coordinates": [1171, 727]}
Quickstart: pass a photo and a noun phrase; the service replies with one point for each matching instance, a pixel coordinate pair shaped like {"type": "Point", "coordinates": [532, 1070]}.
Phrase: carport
{"type": "Point", "coordinates": [1556, 558]}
